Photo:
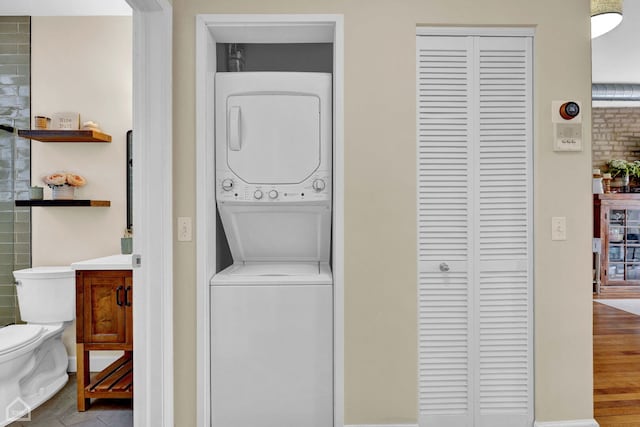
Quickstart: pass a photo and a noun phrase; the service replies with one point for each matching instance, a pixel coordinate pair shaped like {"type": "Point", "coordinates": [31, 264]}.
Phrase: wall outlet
{"type": "Point", "coordinates": [184, 229]}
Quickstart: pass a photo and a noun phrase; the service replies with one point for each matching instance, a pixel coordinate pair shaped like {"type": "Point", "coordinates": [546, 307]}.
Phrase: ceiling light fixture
{"type": "Point", "coordinates": [605, 16]}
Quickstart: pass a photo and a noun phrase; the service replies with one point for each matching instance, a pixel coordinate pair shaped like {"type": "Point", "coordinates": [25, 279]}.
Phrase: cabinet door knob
{"type": "Point", "coordinates": [118, 296]}
{"type": "Point", "coordinates": [444, 267]}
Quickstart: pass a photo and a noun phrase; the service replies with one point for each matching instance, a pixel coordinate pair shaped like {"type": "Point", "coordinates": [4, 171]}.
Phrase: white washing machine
{"type": "Point", "coordinates": [272, 346]}
{"type": "Point", "coordinates": [272, 310]}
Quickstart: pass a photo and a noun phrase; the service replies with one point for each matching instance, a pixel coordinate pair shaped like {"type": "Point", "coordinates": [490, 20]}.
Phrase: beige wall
{"type": "Point", "coordinates": [380, 242]}
{"type": "Point", "coordinates": [81, 64]}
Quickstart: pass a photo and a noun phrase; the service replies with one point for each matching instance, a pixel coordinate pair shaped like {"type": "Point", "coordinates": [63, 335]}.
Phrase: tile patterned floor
{"type": "Point", "coordinates": [60, 411]}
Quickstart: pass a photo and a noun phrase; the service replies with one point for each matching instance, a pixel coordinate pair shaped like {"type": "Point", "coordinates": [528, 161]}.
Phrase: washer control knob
{"type": "Point", "coordinates": [227, 184]}
{"type": "Point", "coordinates": [318, 185]}
{"type": "Point", "coordinates": [273, 194]}
{"type": "Point", "coordinates": [258, 194]}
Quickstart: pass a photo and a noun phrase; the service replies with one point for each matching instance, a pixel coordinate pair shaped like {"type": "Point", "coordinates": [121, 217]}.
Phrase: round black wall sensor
{"type": "Point", "coordinates": [569, 110]}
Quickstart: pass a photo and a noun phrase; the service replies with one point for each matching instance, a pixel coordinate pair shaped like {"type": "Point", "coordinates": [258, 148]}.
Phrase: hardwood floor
{"type": "Point", "coordinates": [616, 364]}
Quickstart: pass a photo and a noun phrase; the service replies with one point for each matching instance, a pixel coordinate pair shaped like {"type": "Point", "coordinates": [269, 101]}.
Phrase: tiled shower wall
{"type": "Point", "coordinates": [15, 158]}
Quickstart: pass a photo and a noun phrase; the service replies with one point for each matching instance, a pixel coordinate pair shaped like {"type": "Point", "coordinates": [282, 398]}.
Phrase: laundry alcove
{"type": "Point", "coordinates": [299, 43]}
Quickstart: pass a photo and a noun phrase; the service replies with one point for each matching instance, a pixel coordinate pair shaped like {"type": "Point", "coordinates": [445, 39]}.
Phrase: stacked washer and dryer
{"type": "Point", "coordinates": [272, 309]}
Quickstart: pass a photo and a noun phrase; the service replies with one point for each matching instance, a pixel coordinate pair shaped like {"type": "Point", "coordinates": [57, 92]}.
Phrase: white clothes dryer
{"type": "Point", "coordinates": [273, 137]}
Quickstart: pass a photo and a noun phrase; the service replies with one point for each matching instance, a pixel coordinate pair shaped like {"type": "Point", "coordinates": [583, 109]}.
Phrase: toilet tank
{"type": "Point", "coordinates": [46, 294]}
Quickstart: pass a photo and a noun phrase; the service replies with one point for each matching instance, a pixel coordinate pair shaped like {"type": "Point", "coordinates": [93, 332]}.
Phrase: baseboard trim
{"type": "Point", "coordinates": [97, 362]}
{"type": "Point", "coordinates": [570, 423]}
{"type": "Point", "coordinates": [381, 425]}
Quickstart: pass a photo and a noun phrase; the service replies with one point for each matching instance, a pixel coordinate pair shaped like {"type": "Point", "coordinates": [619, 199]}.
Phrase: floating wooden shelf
{"type": "Point", "coordinates": [48, 135]}
{"type": "Point", "coordinates": [90, 203]}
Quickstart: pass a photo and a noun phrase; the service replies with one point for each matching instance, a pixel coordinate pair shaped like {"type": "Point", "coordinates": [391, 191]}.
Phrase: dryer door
{"type": "Point", "coordinates": [273, 138]}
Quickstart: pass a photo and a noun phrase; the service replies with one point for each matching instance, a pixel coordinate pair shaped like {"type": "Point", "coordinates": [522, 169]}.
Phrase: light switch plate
{"type": "Point", "coordinates": [559, 228]}
{"type": "Point", "coordinates": [184, 229]}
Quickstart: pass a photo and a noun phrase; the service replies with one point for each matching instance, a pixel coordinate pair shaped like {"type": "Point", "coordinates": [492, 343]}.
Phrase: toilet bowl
{"type": "Point", "coordinates": [33, 359]}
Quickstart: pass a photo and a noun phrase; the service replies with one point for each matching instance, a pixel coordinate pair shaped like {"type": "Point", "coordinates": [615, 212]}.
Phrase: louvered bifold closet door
{"type": "Point", "coordinates": [474, 245]}
{"type": "Point", "coordinates": [444, 215]}
{"type": "Point", "coordinates": [502, 283]}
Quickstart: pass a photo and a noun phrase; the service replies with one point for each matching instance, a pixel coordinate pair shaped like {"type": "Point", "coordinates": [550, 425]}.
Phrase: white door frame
{"type": "Point", "coordinates": [271, 29]}
{"type": "Point", "coordinates": [152, 204]}
{"type": "Point", "coordinates": [152, 212]}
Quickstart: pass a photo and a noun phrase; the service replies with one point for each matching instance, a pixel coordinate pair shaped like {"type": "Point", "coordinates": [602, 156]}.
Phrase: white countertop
{"type": "Point", "coordinates": [113, 262]}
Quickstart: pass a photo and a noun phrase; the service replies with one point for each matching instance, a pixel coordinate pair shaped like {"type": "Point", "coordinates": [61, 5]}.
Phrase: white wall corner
{"type": "Point", "coordinates": [569, 423]}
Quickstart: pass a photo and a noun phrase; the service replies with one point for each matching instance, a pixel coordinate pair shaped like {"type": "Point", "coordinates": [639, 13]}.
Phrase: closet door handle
{"type": "Point", "coordinates": [234, 129]}
{"type": "Point", "coordinates": [126, 296]}
{"type": "Point", "coordinates": [118, 295]}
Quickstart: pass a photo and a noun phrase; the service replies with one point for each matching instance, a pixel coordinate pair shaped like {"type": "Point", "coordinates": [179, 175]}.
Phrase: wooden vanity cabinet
{"type": "Point", "coordinates": [104, 321]}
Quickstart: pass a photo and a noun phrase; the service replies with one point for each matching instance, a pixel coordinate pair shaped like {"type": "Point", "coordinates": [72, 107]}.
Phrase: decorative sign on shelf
{"type": "Point", "coordinates": [66, 121]}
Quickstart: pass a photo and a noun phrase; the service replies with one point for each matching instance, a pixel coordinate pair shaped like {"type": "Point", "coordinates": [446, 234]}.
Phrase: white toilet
{"type": "Point", "coordinates": [33, 359]}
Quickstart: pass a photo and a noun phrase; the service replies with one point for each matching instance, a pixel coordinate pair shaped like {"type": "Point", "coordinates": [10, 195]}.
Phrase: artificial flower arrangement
{"type": "Point", "coordinates": [64, 178]}
{"type": "Point", "coordinates": [63, 184]}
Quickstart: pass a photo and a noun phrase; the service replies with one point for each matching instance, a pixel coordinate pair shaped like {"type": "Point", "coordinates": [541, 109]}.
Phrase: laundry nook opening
{"type": "Point", "coordinates": [270, 173]}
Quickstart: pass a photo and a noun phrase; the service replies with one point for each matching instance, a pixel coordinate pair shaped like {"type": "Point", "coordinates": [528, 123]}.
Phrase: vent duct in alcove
{"type": "Point", "coordinates": [235, 57]}
{"type": "Point", "coordinates": [615, 92]}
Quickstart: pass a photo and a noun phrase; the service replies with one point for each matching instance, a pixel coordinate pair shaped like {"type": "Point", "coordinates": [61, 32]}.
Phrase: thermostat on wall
{"type": "Point", "coordinates": [566, 117]}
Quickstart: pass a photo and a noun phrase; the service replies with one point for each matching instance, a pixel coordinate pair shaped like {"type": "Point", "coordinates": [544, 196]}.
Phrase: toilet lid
{"type": "Point", "coordinates": [13, 337]}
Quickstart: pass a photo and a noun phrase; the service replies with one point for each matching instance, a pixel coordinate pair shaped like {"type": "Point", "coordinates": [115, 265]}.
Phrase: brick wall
{"type": "Point", "coordinates": [615, 135]}
{"type": "Point", "coordinates": [15, 158]}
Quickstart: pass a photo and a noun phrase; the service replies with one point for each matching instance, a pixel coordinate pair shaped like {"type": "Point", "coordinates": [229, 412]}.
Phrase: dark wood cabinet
{"type": "Point", "coordinates": [104, 321]}
{"type": "Point", "coordinates": [617, 223]}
